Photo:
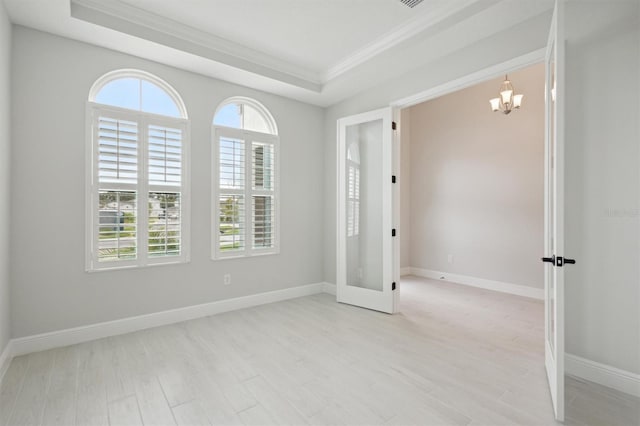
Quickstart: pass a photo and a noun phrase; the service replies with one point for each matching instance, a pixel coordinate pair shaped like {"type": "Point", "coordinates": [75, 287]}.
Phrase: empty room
{"type": "Point", "coordinates": [472, 207]}
{"type": "Point", "coordinates": [263, 212]}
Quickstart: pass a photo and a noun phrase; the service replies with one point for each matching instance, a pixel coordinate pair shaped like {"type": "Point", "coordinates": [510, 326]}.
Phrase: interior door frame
{"type": "Point", "coordinates": [498, 70]}
{"type": "Point", "coordinates": [535, 57]}
{"type": "Point", "coordinates": [554, 215]}
{"type": "Point", "coordinates": [384, 300]}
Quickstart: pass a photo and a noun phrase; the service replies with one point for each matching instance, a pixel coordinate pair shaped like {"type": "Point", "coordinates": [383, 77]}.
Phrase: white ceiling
{"type": "Point", "coordinates": [316, 51]}
{"type": "Point", "coordinates": [313, 34]}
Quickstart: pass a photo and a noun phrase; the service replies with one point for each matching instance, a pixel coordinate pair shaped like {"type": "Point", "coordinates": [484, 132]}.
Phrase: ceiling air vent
{"type": "Point", "coordinates": [411, 3]}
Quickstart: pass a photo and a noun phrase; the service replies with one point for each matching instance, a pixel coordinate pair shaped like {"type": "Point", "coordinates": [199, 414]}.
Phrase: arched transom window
{"type": "Point", "coordinates": [138, 178]}
{"type": "Point", "coordinates": [245, 180]}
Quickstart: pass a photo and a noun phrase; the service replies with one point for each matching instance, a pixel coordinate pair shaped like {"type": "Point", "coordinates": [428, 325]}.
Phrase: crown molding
{"type": "Point", "coordinates": [398, 35]}
{"type": "Point", "coordinates": [131, 20]}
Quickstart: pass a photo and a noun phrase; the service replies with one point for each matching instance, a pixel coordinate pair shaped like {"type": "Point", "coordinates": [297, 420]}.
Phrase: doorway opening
{"type": "Point", "coordinates": [472, 187]}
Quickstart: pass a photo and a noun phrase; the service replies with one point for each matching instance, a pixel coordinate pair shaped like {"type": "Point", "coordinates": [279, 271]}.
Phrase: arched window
{"type": "Point", "coordinates": [245, 180]}
{"type": "Point", "coordinates": [137, 193]}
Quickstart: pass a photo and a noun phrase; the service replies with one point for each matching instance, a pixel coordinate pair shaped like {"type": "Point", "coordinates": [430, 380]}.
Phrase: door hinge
{"type": "Point", "coordinates": [393, 232]}
{"type": "Point", "coordinates": [393, 179]}
{"type": "Point", "coordinates": [394, 126]}
{"type": "Point", "coordinates": [393, 286]}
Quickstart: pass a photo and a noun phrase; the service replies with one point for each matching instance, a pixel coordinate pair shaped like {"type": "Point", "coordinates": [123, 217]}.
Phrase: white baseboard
{"type": "Point", "coordinates": [405, 271]}
{"type": "Point", "coordinates": [329, 288]}
{"type": "Point", "coordinates": [5, 359]}
{"type": "Point", "coordinates": [71, 336]}
{"type": "Point", "coordinates": [519, 290]}
{"type": "Point", "coordinates": [603, 374]}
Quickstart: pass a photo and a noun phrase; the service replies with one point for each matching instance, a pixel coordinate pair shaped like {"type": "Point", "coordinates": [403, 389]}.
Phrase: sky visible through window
{"type": "Point", "coordinates": [229, 116]}
{"type": "Point", "coordinates": [237, 116]}
{"type": "Point", "coordinates": [139, 95]}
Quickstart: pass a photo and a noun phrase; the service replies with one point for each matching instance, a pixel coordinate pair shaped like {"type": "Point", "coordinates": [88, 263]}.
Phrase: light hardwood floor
{"type": "Point", "coordinates": [456, 355]}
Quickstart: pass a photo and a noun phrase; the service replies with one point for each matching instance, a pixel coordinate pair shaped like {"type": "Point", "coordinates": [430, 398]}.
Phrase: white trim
{"type": "Point", "coordinates": [517, 289]}
{"type": "Point", "coordinates": [136, 22]}
{"type": "Point", "coordinates": [92, 186]}
{"type": "Point", "coordinates": [396, 171]}
{"type": "Point", "coordinates": [361, 296]}
{"type": "Point", "coordinates": [530, 58]}
{"type": "Point", "coordinates": [396, 36]}
{"type": "Point", "coordinates": [405, 271]}
{"type": "Point", "coordinates": [5, 359]}
{"type": "Point", "coordinates": [71, 336]}
{"type": "Point", "coordinates": [258, 106]}
{"type": "Point", "coordinates": [141, 75]}
{"type": "Point", "coordinates": [602, 374]}
{"type": "Point", "coordinates": [153, 27]}
{"type": "Point", "coordinates": [329, 288]}
{"type": "Point", "coordinates": [248, 192]}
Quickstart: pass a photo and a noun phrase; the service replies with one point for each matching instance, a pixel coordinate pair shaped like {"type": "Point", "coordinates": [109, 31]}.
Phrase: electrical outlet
{"type": "Point", "coordinates": [227, 279]}
{"type": "Point", "coordinates": [450, 258]}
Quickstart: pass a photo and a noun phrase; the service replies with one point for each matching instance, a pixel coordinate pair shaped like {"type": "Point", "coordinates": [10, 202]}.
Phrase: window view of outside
{"type": "Point", "coordinates": [232, 172]}
{"type": "Point", "coordinates": [119, 173]}
{"type": "Point", "coordinates": [263, 206]}
{"type": "Point", "coordinates": [138, 95]}
{"type": "Point", "coordinates": [231, 222]}
{"type": "Point", "coordinates": [241, 116]}
{"type": "Point", "coordinates": [117, 225]}
{"type": "Point", "coordinates": [236, 224]}
{"type": "Point", "coordinates": [164, 223]}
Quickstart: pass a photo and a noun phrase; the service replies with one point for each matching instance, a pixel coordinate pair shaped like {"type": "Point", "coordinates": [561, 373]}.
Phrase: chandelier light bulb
{"type": "Point", "coordinates": [508, 100]}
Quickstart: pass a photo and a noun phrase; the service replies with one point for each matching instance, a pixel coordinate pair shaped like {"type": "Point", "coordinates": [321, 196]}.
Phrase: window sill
{"type": "Point", "coordinates": [246, 256]}
{"type": "Point", "coordinates": [125, 267]}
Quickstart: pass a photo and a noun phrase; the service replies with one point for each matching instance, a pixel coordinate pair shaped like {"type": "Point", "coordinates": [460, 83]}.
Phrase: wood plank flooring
{"type": "Point", "coordinates": [454, 356]}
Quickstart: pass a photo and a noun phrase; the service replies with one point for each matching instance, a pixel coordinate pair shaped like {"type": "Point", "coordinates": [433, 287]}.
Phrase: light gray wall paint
{"type": "Point", "coordinates": [528, 37]}
{"type": "Point", "coordinates": [602, 183]}
{"type": "Point", "coordinates": [602, 321]}
{"type": "Point", "coordinates": [5, 188]}
{"type": "Point", "coordinates": [50, 290]}
{"type": "Point", "coordinates": [477, 183]}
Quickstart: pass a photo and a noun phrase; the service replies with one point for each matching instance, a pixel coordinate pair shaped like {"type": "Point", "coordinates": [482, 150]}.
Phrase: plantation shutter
{"type": "Point", "coordinates": [263, 195]}
{"type": "Point", "coordinates": [232, 198]}
{"type": "Point", "coordinates": [137, 198]}
{"type": "Point", "coordinates": [165, 169]}
{"type": "Point", "coordinates": [165, 156]}
{"type": "Point", "coordinates": [117, 179]}
{"type": "Point", "coordinates": [117, 151]}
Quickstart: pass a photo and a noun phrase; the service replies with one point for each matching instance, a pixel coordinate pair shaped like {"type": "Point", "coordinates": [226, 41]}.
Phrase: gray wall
{"type": "Point", "coordinates": [5, 189]}
{"type": "Point", "coordinates": [602, 186]}
{"type": "Point", "coordinates": [477, 183]}
{"type": "Point", "coordinates": [602, 320]}
{"type": "Point", "coordinates": [529, 36]}
{"type": "Point", "coordinates": [50, 290]}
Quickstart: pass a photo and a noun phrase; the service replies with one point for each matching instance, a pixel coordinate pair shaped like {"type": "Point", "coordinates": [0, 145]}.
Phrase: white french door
{"type": "Point", "coordinates": [366, 275]}
{"type": "Point", "coordinates": [554, 210]}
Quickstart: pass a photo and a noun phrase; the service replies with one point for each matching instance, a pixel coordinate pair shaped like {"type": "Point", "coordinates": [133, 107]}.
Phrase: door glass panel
{"type": "Point", "coordinates": [364, 204]}
{"type": "Point", "coordinates": [550, 270]}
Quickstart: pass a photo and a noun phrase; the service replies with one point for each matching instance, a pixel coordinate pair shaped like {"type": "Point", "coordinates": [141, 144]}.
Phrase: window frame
{"type": "Point", "coordinates": [143, 187]}
{"type": "Point", "coordinates": [248, 137]}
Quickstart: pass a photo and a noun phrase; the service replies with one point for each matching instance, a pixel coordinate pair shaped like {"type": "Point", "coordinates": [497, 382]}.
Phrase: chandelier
{"type": "Point", "coordinates": [507, 101]}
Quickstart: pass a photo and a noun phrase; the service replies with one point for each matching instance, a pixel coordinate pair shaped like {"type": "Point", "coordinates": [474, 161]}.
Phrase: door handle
{"type": "Point", "coordinates": [558, 261]}
{"type": "Point", "coordinates": [551, 260]}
